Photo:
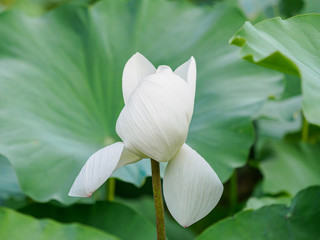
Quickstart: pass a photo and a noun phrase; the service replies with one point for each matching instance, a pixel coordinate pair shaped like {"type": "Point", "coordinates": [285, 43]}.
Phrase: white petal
{"type": "Point", "coordinates": [191, 188]}
{"type": "Point", "coordinates": [137, 68]}
{"type": "Point", "coordinates": [164, 69]}
{"type": "Point", "coordinates": [155, 121]}
{"type": "Point", "coordinates": [127, 157]}
{"type": "Point", "coordinates": [99, 167]}
{"type": "Point", "coordinates": [188, 71]}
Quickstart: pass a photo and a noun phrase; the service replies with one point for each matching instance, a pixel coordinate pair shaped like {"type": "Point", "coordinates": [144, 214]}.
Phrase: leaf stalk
{"type": "Point", "coordinates": [305, 130]}
{"type": "Point", "coordinates": [111, 188]}
{"type": "Point", "coordinates": [233, 192]}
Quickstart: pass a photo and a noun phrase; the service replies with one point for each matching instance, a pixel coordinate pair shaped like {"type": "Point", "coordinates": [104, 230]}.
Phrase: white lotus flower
{"type": "Point", "coordinates": [154, 123]}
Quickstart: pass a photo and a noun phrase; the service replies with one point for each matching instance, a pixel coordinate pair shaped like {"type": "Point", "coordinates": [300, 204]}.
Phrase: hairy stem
{"type": "Point", "coordinates": [158, 201]}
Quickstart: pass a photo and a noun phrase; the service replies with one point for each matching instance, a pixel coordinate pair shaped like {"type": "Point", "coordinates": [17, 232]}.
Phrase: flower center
{"type": "Point", "coordinates": [164, 69]}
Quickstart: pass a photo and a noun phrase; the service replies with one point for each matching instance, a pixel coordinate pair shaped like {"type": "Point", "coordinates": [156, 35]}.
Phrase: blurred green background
{"type": "Point", "coordinates": [256, 119]}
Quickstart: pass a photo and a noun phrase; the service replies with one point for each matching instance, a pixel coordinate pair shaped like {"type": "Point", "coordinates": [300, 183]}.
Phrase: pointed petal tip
{"type": "Point", "coordinates": [192, 61]}
{"type": "Point", "coordinates": [188, 72]}
{"type": "Point", "coordinates": [137, 54]}
{"type": "Point", "coordinates": [71, 194]}
{"type": "Point", "coordinates": [96, 170]}
{"type": "Point", "coordinates": [74, 193]}
{"type": "Point", "coordinates": [136, 68]}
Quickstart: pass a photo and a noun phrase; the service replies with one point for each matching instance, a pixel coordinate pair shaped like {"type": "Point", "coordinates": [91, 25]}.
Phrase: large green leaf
{"type": "Point", "coordinates": [17, 226]}
{"type": "Point", "coordinates": [277, 118]}
{"type": "Point", "coordinates": [289, 46]}
{"type": "Point", "coordinates": [111, 217]}
{"type": "Point", "coordinates": [9, 186]}
{"type": "Point", "coordinates": [60, 77]}
{"type": "Point", "coordinates": [292, 87]}
{"type": "Point", "coordinates": [300, 221]}
{"type": "Point", "coordinates": [290, 167]}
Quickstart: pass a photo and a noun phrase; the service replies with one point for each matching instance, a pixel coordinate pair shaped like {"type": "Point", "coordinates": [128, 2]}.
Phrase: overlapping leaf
{"type": "Point", "coordinates": [255, 9]}
{"type": "Point", "coordinates": [290, 167]}
{"type": "Point", "coordinates": [277, 118]}
{"type": "Point", "coordinates": [256, 203]}
{"type": "Point", "coordinates": [290, 46]}
{"type": "Point", "coordinates": [18, 226]}
{"type": "Point", "coordinates": [145, 206]}
{"type": "Point", "coordinates": [111, 217]}
{"type": "Point", "coordinates": [60, 78]}
{"type": "Point", "coordinates": [9, 186]}
{"type": "Point", "coordinates": [299, 221]}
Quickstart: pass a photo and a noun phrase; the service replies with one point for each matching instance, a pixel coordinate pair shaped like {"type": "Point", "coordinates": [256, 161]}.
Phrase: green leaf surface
{"type": "Point", "coordinates": [255, 9]}
{"type": "Point", "coordinates": [145, 207]}
{"type": "Point", "coordinates": [291, 46]}
{"type": "Point", "coordinates": [255, 203]}
{"type": "Point", "coordinates": [300, 221]}
{"type": "Point", "coordinates": [292, 87]}
{"type": "Point", "coordinates": [311, 6]}
{"type": "Point", "coordinates": [290, 167]}
{"type": "Point", "coordinates": [279, 117]}
{"type": "Point", "coordinates": [17, 226]}
{"type": "Point", "coordinates": [9, 186]}
{"type": "Point", "coordinates": [276, 119]}
{"type": "Point", "coordinates": [60, 77]}
{"type": "Point", "coordinates": [111, 217]}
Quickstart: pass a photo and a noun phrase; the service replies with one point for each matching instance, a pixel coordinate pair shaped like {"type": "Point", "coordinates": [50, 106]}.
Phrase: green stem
{"type": "Point", "coordinates": [233, 192]}
{"type": "Point", "coordinates": [305, 130]}
{"type": "Point", "coordinates": [111, 187]}
{"type": "Point", "coordinates": [158, 201]}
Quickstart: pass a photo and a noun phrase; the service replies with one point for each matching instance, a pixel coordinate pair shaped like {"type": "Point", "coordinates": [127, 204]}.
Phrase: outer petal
{"type": "Point", "coordinates": [127, 157]}
{"type": "Point", "coordinates": [137, 68]}
{"type": "Point", "coordinates": [155, 121]}
{"type": "Point", "coordinates": [191, 187]}
{"type": "Point", "coordinates": [99, 167]}
{"type": "Point", "coordinates": [188, 71]}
